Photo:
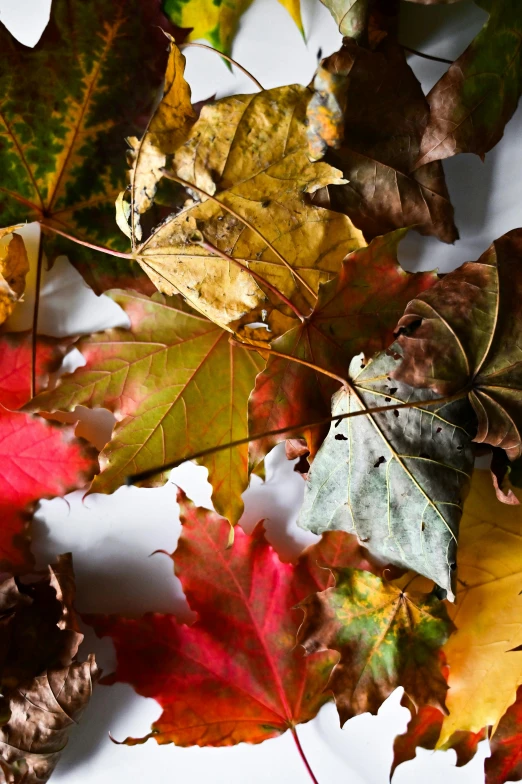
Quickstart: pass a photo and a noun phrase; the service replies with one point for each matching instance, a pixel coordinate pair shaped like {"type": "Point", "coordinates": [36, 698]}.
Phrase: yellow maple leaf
{"type": "Point", "coordinates": [485, 671]}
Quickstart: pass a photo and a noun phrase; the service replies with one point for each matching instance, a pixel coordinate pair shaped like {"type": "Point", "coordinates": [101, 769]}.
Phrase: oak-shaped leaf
{"type": "Point", "coordinates": [385, 114]}
{"type": "Point", "coordinates": [175, 384]}
{"type": "Point", "coordinates": [14, 266]}
{"type": "Point", "coordinates": [39, 459]}
{"type": "Point", "coordinates": [217, 22]}
{"type": "Point", "coordinates": [355, 312]}
{"type": "Point", "coordinates": [505, 762]}
{"type": "Point", "coordinates": [465, 334]}
{"type": "Point", "coordinates": [250, 153]}
{"type": "Point", "coordinates": [484, 654]}
{"type": "Point", "coordinates": [44, 688]}
{"type": "Point", "coordinates": [67, 106]}
{"type": "Point", "coordinates": [471, 104]}
{"type": "Point", "coordinates": [236, 674]}
{"type": "Point", "coordinates": [423, 731]}
{"type": "Point", "coordinates": [396, 478]}
{"type": "Point", "coordinates": [387, 635]}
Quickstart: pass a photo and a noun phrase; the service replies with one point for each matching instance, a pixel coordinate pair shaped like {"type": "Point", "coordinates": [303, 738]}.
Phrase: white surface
{"type": "Point", "coordinates": [111, 537]}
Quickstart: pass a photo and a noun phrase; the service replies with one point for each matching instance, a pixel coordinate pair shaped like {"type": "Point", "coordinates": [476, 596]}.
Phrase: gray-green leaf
{"type": "Point", "coordinates": [396, 479]}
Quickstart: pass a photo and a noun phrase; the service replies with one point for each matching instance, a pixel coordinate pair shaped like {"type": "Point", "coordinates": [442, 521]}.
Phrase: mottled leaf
{"type": "Point", "coordinates": [471, 104]}
{"type": "Point", "coordinates": [384, 120]}
{"type": "Point", "coordinates": [387, 634]}
{"type": "Point", "coordinates": [218, 21]}
{"type": "Point", "coordinates": [236, 674]}
{"type": "Point", "coordinates": [14, 266]}
{"type": "Point", "coordinates": [175, 384]}
{"type": "Point", "coordinates": [466, 334]}
{"type": "Point", "coordinates": [67, 106]}
{"type": "Point", "coordinates": [396, 479]}
{"type": "Point", "coordinates": [355, 312]}
{"type": "Point", "coordinates": [484, 654]}
{"type": "Point", "coordinates": [505, 762]}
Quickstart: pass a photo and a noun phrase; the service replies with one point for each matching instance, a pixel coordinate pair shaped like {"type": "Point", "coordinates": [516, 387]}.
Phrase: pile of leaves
{"type": "Point", "coordinates": [252, 241]}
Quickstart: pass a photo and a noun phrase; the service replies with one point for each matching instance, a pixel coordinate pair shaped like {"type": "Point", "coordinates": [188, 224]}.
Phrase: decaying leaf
{"type": "Point", "coordinates": [505, 762]}
{"type": "Point", "coordinates": [396, 479]}
{"type": "Point", "coordinates": [175, 384]}
{"type": "Point", "coordinates": [387, 634]}
{"type": "Point", "coordinates": [218, 21]}
{"type": "Point", "coordinates": [384, 120]}
{"type": "Point", "coordinates": [44, 688]}
{"type": "Point", "coordinates": [354, 312]}
{"type": "Point", "coordinates": [39, 460]}
{"type": "Point", "coordinates": [236, 674]}
{"type": "Point", "coordinates": [471, 104]}
{"type": "Point", "coordinates": [14, 266]}
{"type": "Point", "coordinates": [485, 665]}
{"type": "Point", "coordinates": [465, 334]}
{"type": "Point", "coordinates": [65, 112]}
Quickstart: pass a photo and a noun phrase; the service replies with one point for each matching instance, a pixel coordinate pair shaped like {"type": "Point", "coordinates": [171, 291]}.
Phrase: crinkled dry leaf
{"type": "Point", "coordinates": [387, 634]}
{"type": "Point", "coordinates": [176, 385]}
{"type": "Point", "coordinates": [384, 120]}
{"type": "Point", "coordinates": [396, 479]}
{"type": "Point", "coordinates": [236, 674]}
{"type": "Point", "coordinates": [465, 334]}
{"type": "Point", "coordinates": [471, 104]}
{"type": "Point", "coordinates": [14, 266]}
{"type": "Point", "coordinates": [483, 656]}
{"type": "Point", "coordinates": [354, 312]}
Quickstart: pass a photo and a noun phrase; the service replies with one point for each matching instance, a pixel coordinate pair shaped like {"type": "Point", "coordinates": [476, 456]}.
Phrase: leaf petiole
{"type": "Point", "coordinates": [97, 248]}
{"type": "Point", "coordinates": [302, 755]}
{"type": "Point", "coordinates": [225, 57]}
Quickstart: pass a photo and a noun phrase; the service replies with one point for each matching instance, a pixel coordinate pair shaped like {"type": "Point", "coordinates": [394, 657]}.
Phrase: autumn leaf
{"type": "Point", "coordinates": [39, 460]}
{"type": "Point", "coordinates": [471, 104]}
{"type": "Point", "coordinates": [356, 311]}
{"type": "Point", "coordinates": [175, 384]}
{"type": "Point", "coordinates": [258, 167]}
{"type": "Point", "coordinates": [424, 729]}
{"type": "Point", "coordinates": [385, 114]}
{"type": "Point", "coordinates": [237, 669]}
{"type": "Point", "coordinates": [67, 106]}
{"type": "Point", "coordinates": [396, 479]}
{"type": "Point", "coordinates": [387, 635]}
{"type": "Point", "coordinates": [505, 762]}
{"type": "Point", "coordinates": [16, 363]}
{"type": "Point", "coordinates": [218, 22]}
{"type": "Point", "coordinates": [14, 266]}
{"type": "Point", "coordinates": [485, 665]}
{"type": "Point", "coordinates": [44, 688]}
{"type": "Point", "coordinates": [464, 334]}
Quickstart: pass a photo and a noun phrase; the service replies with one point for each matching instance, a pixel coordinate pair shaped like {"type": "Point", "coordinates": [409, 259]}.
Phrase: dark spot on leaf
{"type": "Point", "coordinates": [379, 461]}
{"type": "Point", "coordinates": [425, 455]}
{"type": "Point", "coordinates": [438, 430]}
{"type": "Point", "coordinates": [340, 437]}
{"type": "Point", "coordinates": [395, 412]}
{"type": "Point", "coordinates": [392, 390]}
{"type": "Point", "coordinates": [387, 399]}
{"type": "Point", "coordinates": [338, 422]}
{"type": "Point", "coordinates": [423, 525]}
{"type": "Point", "coordinates": [453, 566]}
{"type": "Point", "coordinates": [265, 203]}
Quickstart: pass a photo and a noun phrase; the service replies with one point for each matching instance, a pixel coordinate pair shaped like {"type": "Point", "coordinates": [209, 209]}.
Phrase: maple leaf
{"type": "Point", "coordinates": [385, 113]}
{"type": "Point", "coordinates": [354, 312]}
{"type": "Point", "coordinates": [176, 385]}
{"type": "Point", "coordinates": [236, 674]}
{"type": "Point", "coordinates": [16, 363]}
{"type": "Point", "coordinates": [44, 689]}
{"type": "Point", "coordinates": [39, 460]}
{"type": "Point", "coordinates": [14, 266]}
{"type": "Point", "coordinates": [464, 334]}
{"type": "Point", "coordinates": [258, 168]}
{"type": "Point", "coordinates": [387, 636]}
{"type": "Point", "coordinates": [471, 104]}
{"type": "Point", "coordinates": [218, 22]}
{"type": "Point", "coordinates": [424, 729]}
{"type": "Point", "coordinates": [483, 656]}
{"type": "Point", "coordinates": [396, 478]}
{"type": "Point", "coordinates": [505, 762]}
{"type": "Point", "coordinates": [67, 106]}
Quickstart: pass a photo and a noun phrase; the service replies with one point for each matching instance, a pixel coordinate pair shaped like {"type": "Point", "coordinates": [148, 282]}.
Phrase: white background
{"type": "Point", "coordinates": [111, 537]}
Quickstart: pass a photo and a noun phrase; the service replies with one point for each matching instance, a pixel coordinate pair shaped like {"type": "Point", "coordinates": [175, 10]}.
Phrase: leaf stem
{"type": "Point", "coordinates": [426, 56]}
{"type": "Point", "coordinates": [36, 311]}
{"type": "Point", "coordinates": [88, 244]}
{"type": "Point", "coordinates": [343, 381]}
{"type": "Point", "coordinates": [171, 176]}
{"type": "Point", "coordinates": [302, 754]}
{"type": "Point", "coordinates": [225, 57]}
{"type": "Point", "coordinates": [212, 249]}
{"type": "Point", "coordinates": [133, 479]}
